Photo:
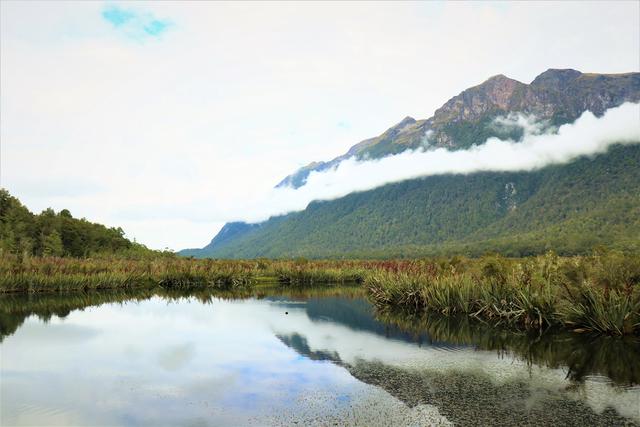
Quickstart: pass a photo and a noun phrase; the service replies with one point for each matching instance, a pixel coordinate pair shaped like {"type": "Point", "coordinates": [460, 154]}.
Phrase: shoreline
{"type": "Point", "coordinates": [598, 293]}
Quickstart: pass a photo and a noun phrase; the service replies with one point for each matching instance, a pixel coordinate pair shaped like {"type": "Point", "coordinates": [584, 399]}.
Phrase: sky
{"type": "Point", "coordinates": [166, 118]}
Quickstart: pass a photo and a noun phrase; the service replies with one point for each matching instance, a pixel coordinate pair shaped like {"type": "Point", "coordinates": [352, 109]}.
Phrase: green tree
{"type": "Point", "coordinates": [52, 244]}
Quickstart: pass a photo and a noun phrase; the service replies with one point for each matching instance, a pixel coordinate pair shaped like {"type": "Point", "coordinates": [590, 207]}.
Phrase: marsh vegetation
{"type": "Point", "coordinates": [597, 293]}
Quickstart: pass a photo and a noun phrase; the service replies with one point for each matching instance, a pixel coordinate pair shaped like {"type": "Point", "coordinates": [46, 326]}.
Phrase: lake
{"type": "Point", "coordinates": [296, 357]}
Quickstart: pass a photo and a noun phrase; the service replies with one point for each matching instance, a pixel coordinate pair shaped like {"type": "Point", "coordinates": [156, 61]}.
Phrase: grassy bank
{"type": "Point", "coordinates": [599, 293]}
{"type": "Point", "coordinates": [30, 274]}
{"type": "Point", "coordinates": [40, 274]}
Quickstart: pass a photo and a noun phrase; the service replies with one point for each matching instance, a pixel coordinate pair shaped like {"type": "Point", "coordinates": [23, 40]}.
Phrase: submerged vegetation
{"type": "Point", "coordinates": [598, 293]}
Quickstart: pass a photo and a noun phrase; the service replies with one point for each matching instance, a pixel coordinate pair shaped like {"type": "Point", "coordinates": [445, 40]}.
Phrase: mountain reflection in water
{"type": "Point", "coordinates": [228, 359]}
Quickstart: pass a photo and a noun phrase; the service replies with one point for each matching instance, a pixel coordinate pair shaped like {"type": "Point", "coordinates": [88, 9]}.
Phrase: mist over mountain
{"type": "Point", "coordinates": [589, 201]}
{"type": "Point", "coordinates": [555, 96]}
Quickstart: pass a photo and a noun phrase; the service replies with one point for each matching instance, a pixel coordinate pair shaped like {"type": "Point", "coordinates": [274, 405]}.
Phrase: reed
{"type": "Point", "coordinates": [31, 274]}
{"type": "Point", "coordinates": [607, 312]}
{"type": "Point", "coordinates": [317, 275]}
{"type": "Point", "coordinates": [599, 293]}
{"type": "Point", "coordinates": [70, 274]}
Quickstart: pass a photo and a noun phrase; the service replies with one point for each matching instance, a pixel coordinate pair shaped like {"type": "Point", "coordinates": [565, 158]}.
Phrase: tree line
{"type": "Point", "coordinates": [53, 233]}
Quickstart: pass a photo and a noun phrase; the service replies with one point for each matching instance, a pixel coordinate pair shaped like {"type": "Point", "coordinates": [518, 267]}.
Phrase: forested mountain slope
{"type": "Point", "coordinates": [485, 211]}
{"type": "Point", "coordinates": [569, 208]}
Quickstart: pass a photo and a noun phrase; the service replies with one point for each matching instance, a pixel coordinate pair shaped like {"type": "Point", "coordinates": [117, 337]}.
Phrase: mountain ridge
{"type": "Point", "coordinates": [557, 96]}
{"type": "Point", "coordinates": [570, 208]}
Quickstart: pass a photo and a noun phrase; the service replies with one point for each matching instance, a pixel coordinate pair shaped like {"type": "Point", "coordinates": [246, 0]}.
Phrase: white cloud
{"type": "Point", "coordinates": [528, 123]}
{"type": "Point", "coordinates": [587, 136]}
{"type": "Point", "coordinates": [187, 127]}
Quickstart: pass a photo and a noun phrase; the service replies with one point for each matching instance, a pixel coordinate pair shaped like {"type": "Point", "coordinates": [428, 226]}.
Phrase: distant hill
{"type": "Point", "coordinates": [569, 208]}
{"type": "Point", "coordinates": [57, 234]}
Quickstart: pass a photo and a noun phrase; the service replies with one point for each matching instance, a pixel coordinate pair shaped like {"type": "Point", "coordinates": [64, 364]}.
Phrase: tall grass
{"type": "Point", "coordinates": [608, 312]}
{"type": "Point", "coordinates": [71, 274]}
{"type": "Point", "coordinates": [31, 274]}
{"type": "Point", "coordinates": [591, 293]}
{"type": "Point", "coordinates": [599, 293]}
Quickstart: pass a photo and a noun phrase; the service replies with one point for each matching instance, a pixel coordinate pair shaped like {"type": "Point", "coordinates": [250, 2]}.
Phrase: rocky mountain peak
{"type": "Point", "coordinates": [497, 90]}
{"type": "Point", "coordinates": [494, 93]}
{"type": "Point", "coordinates": [556, 95]}
{"type": "Point", "coordinates": [400, 126]}
{"type": "Point", "coordinates": [556, 78]}
{"type": "Point", "coordinates": [395, 129]}
{"type": "Point", "coordinates": [498, 79]}
{"type": "Point", "coordinates": [406, 121]}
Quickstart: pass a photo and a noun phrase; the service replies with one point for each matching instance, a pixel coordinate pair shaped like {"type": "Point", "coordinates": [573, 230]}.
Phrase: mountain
{"type": "Point", "coordinates": [227, 233]}
{"type": "Point", "coordinates": [569, 207]}
{"type": "Point", "coordinates": [558, 96]}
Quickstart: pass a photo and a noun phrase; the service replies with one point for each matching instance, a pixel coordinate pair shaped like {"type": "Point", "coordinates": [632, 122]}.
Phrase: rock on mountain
{"type": "Point", "coordinates": [559, 96]}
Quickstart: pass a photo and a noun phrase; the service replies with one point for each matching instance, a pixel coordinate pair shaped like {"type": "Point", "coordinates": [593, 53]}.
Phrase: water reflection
{"type": "Point", "coordinates": [476, 398]}
{"type": "Point", "coordinates": [199, 358]}
{"type": "Point", "coordinates": [299, 343]}
{"type": "Point", "coordinates": [583, 355]}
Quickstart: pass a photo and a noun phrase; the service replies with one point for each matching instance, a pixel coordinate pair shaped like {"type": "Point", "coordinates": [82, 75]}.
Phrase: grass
{"type": "Point", "coordinates": [38, 274]}
{"type": "Point", "coordinates": [72, 274]}
{"type": "Point", "coordinates": [309, 273]}
{"type": "Point", "coordinates": [599, 293]}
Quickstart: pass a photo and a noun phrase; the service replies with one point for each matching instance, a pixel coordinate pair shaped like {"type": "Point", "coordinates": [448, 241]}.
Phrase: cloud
{"type": "Point", "coordinates": [135, 25]}
{"type": "Point", "coordinates": [527, 122]}
{"type": "Point", "coordinates": [588, 135]}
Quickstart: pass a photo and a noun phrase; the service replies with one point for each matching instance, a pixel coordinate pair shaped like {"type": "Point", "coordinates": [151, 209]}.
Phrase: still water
{"type": "Point", "coordinates": [278, 357]}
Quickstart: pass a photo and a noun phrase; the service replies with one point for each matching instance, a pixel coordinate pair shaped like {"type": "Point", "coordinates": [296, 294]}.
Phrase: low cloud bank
{"type": "Point", "coordinates": [588, 135]}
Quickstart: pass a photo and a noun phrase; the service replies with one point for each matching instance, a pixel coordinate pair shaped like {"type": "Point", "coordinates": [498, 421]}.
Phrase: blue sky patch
{"type": "Point", "coordinates": [117, 16]}
{"type": "Point", "coordinates": [135, 24]}
{"type": "Point", "coordinates": [156, 27]}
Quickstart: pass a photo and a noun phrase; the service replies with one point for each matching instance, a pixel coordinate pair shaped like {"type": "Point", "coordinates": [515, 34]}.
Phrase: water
{"type": "Point", "coordinates": [313, 357]}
